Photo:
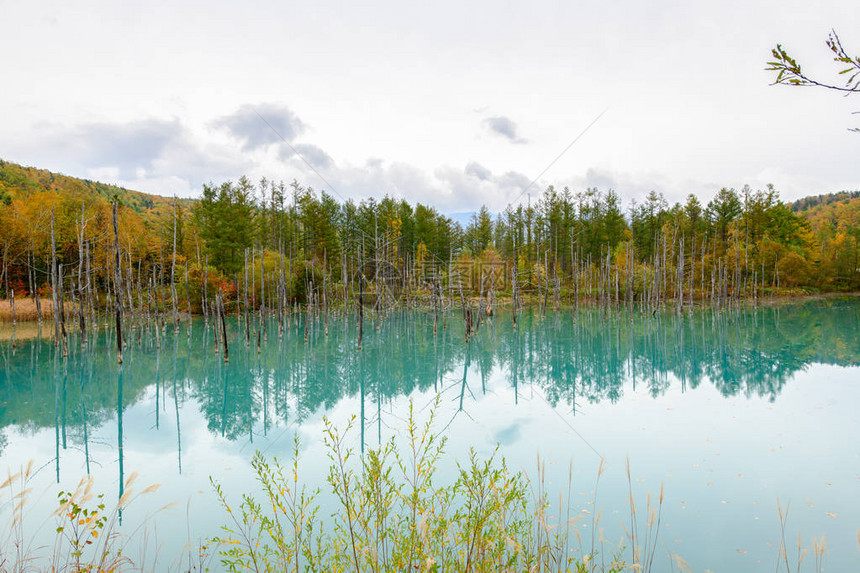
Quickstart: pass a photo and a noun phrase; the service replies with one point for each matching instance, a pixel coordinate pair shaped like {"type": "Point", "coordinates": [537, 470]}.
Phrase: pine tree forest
{"type": "Point", "coordinates": [270, 247]}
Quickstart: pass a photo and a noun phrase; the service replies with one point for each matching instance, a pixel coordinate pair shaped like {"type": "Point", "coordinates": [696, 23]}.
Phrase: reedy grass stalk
{"type": "Point", "coordinates": [401, 521]}
{"type": "Point", "coordinates": [643, 552]}
{"type": "Point", "coordinates": [819, 546]}
{"type": "Point", "coordinates": [390, 515]}
{"type": "Point", "coordinates": [86, 529]}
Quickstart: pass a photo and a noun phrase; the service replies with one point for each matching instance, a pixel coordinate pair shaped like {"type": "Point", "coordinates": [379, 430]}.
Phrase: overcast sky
{"type": "Point", "coordinates": [448, 103]}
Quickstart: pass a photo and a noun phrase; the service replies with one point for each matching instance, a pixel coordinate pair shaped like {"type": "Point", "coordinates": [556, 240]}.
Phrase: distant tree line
{"type": "Point", "coordinates": [807, 203]}
{"type": "Point", "coordinates": [569, 243]}
{"type": "Point", "coordinates": [753, 231]}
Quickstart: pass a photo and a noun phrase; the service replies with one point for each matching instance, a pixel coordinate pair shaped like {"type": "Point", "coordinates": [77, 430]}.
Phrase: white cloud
{"type": "Point", "coordinates": [261, 125]}
{"type": "Point", "coordinates": [691, 108]}
{"type": "Point", "coordinates": [504, 127]}
{"type": "Point", "coordinates": [311, 153]}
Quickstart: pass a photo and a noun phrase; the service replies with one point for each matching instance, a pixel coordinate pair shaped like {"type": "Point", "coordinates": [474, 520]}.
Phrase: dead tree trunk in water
{"type": "Point", "coordinates": [514, 291]}
{"type": "Point", "coordinates": [187, 298]}
{"type": "Point", "coordinates": [129, 282]}
{"type": "Point", "coordinates": [324, 297]}
{"type": "Point", "coordinates": [223, 325]}
{"type": "Point", "coordinates": [61, 311]}
{"type": "Point", "coordinates": [308, 299]}
{"type": "Point", "coordinates": [117, 284]}
{"type": "Point", "coordinates": [263, 325]}
{"type": "Point", "coordinates": [437, 293]}
{"type": "Point", "coordinates": [11, 295]}
{"type": "Point", "coordinates": [467, 311]}
{"type": "Point", "coordinates": [30, 281]}
{"type": "Point", "coordinates": [54, 283]}
{"type": "Point", "coordinates": [360, 297]}
{"type": "Point", "coordinates": [6, 266]}
{"type": "Point", "coordinates": [204, 303]}
{"type": "Point", "coordinates": [173, 273]}
{"type": "Point", "coordinates": [82, 321]}
{"type": "Point", "coordinates": [245, 301]}
{"type": "Point", "coordinates": [545, 282]}
{"type": "Point", "coordinates": [34, 288]}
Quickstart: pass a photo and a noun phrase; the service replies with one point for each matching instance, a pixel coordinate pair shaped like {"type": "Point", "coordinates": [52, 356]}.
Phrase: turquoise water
{"type": "Point", "coordinates": [728, 412]}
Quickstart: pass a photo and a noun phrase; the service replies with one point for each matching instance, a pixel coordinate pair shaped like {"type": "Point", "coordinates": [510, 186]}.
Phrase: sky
{"type": "Point", "coordinates": [452, 104]}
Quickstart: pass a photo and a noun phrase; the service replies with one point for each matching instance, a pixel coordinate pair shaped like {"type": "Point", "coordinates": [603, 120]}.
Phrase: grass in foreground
{"type": "Point", "coordinates": [392, 516]}
{"type": "Point", "coordinates": [86, 530]}
{"type": "Point", "coordinates": [389, 516]}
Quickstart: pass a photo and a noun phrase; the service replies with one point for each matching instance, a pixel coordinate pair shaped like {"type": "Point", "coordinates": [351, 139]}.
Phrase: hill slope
{"type": "Point", "coordinates": [831, 215]}
{"type": "Point", "coordinates": [20, 182]}
{"type": "Point", "coordinates": [814, 202]}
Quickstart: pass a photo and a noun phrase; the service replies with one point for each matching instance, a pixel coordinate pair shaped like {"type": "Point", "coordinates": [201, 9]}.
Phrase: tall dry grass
{"type": "Point", "coordinates": [84, 531]}
{"type": "Point", "coordinates": [25, 310]}
{"type": "Point", "coordinates": [791, 560]}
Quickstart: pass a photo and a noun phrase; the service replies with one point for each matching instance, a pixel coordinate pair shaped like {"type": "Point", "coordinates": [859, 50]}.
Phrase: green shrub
{"type": "Point", "coordinates": [391, 516]}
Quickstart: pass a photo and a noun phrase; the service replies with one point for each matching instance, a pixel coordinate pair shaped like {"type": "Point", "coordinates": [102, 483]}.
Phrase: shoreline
{"type": "Point", "coordinates": [29, 328]}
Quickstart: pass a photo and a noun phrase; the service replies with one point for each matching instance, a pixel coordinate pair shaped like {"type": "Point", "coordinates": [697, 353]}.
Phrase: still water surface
{"type": "Point", "coordinates": [728, 411]}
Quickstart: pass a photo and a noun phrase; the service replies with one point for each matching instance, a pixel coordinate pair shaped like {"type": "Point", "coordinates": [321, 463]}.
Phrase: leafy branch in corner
{"type": "Point", "coordinates": [789, 72]}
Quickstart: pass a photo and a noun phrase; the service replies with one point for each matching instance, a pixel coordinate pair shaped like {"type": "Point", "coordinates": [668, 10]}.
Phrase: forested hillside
{"type": "Point", "coordinates": [22, 183]}
{"type": "Point", "coordinates": [742, 243]}
{"type": "Point", "coordinates": [835, 222]}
